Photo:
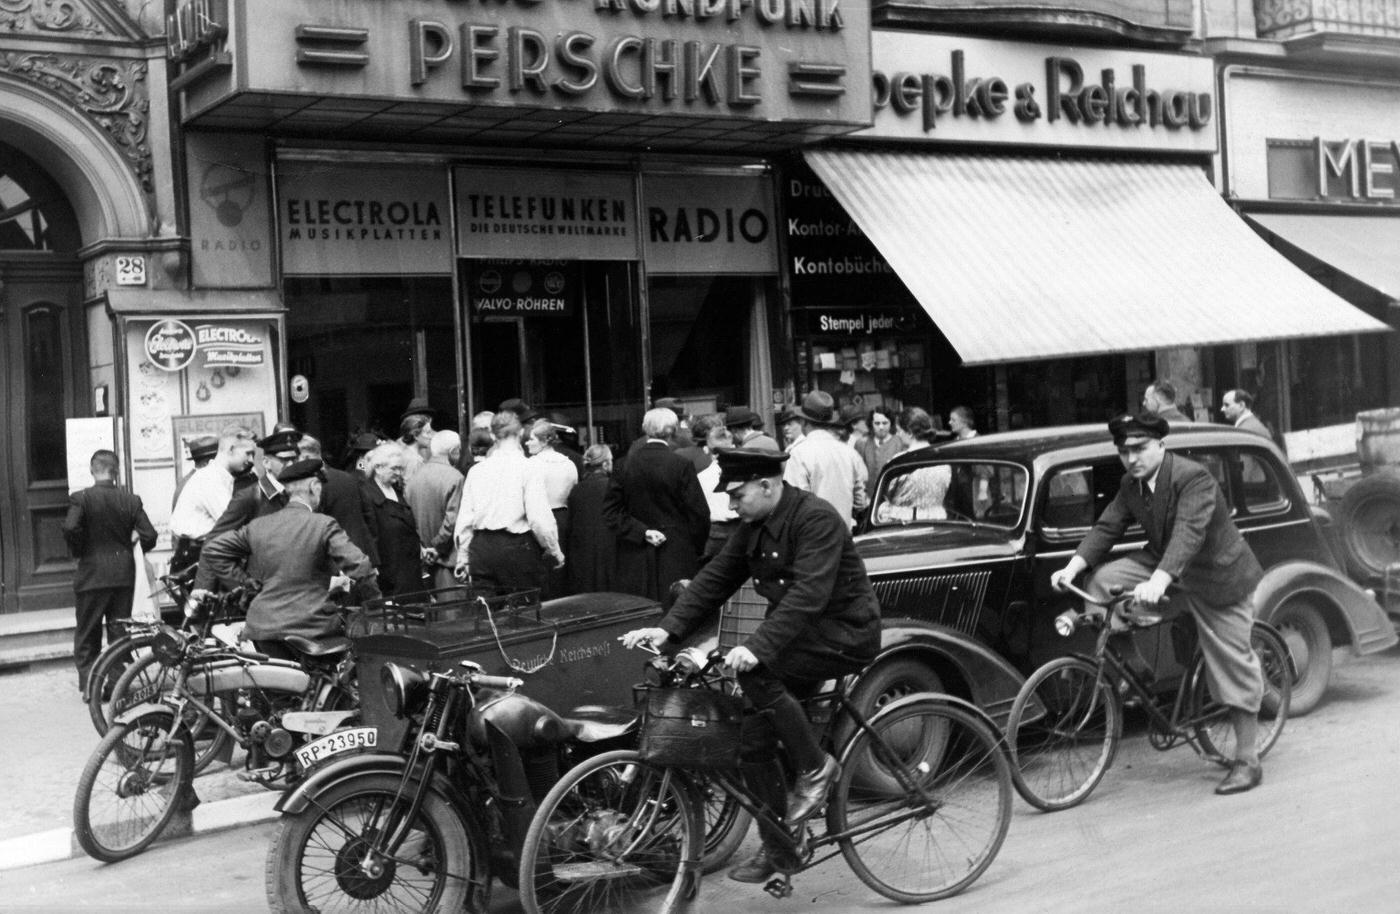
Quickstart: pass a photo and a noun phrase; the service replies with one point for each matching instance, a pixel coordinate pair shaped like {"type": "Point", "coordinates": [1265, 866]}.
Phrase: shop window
{"type": "Point", "coordinates": [1330, 379]}
{"type": "Point", "coordinates": [34, 213]}
{"type": "Point", "coordinates": [367, 344]}
{"type": "Point", "coordinates": [45, 392]}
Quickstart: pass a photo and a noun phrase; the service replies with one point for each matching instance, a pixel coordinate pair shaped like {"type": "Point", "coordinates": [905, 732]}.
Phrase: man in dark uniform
{"type": "Point", "coordinates": [98, 528]}
{"type": "Point", "coordinates": [1193, 544]}
{"type": "Point", "coordinates": [822, 622]}
{"type": "Point", "coordinates": [342, 497]}
{"type": "Point", "coordinates": [290, 557]}
{"type": "Point", "coordinates": [278, 450]}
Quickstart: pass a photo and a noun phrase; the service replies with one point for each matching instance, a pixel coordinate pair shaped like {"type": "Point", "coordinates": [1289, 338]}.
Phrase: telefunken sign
{"type": "Point", "coordinates": [946, 88]}
{"type": "Point", "coordinates": [793, 59]}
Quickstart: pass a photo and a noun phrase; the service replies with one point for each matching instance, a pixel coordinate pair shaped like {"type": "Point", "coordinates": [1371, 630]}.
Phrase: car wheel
{"type": "Point", "coordinates": [878, 686]}
{"type": "Point", "coordinates": [1370, 522]}
{"type": "Point", "coordinates": [1305, 632]}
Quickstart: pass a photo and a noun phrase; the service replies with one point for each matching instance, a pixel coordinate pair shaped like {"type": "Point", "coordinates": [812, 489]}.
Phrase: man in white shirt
{"type": "Point", "coordinates": [504, 524]}
{"type": "Point", "coordinates": [209, 490]}
{"type": "Point", "coordinates": [821, 463]}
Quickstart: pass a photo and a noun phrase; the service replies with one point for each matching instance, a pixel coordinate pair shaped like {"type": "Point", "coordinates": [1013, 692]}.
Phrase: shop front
{"type": "Point", "coordinates": [1312, 163]}
{"type": "Point", "coordinates": [1050, 210]}
{"type": "Point", "coordinates": [573, 204]}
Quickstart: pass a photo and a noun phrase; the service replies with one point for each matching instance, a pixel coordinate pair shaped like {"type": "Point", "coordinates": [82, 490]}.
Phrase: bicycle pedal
{"type": "Point", "coordinates": [780, 887]}
{"type": "Point", "coordinates": [263, 775]}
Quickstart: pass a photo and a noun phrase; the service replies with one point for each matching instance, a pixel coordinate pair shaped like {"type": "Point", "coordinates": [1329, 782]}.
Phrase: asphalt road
{"type": "Point", "coordinates": [1321, 834]}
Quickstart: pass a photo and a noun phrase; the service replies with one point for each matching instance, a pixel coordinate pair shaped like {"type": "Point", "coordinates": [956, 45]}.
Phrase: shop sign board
{"type": "Point", "coordinates": [861, 321]}
{"type": "Point", "coordinates": [523, 288]}
{"type": "Point", "coordinates": [956, 89]}
{"type": "Point", "coordinates": [1338, 144]}
{"type": "Point", "coordinates": [762, 60]}
{"type": "Point", "coordinates": [230, 212]}
{"type": "Point", "coordinates": [556, 214]}
{"type": "Point", "coordinates": [830, 261]}
{"type": "Point", "coordinates": [707, 223]}
{"type": "Point", "coordinates": [340, 219]}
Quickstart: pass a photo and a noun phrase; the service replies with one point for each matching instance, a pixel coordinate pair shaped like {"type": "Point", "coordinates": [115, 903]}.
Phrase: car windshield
{"type": "Point", "coordinates": [951, 491]}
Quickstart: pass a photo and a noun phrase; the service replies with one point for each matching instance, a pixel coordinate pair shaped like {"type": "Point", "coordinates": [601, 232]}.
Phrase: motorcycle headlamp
{"type": "Point", "coordinates": [170, 645]}
{"type": "Point", "coordinates": [405, 689]}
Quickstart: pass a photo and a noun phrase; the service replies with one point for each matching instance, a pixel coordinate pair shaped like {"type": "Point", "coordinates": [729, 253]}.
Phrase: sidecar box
{"type": "Point", "coordinates": [566, 650]}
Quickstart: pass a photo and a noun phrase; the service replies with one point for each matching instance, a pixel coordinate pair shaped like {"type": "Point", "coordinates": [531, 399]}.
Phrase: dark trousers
{"type": "Point", "coordinates": [776, 697]}
{"type": "Point", "coordinates": [509, 560]}
{"type": "Point", "coordinates": [105, 604]}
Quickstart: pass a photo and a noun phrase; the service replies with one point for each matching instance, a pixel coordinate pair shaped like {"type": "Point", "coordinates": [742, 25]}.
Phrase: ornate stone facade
{"type": "Point", "coordinates": [1281, 19]}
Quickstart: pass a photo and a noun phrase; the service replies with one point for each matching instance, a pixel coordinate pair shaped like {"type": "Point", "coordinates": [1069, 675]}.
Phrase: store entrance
{"type": "Point", "coordinates": [564, 336]}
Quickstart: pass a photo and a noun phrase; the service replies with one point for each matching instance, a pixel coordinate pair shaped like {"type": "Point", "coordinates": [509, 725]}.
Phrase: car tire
{"type": "Point", "coordinates": [1370, 522]}
{"type": "Point", "coordinates": [879, 686]}
{"type": "Point", "coordinates": [1300, 622]}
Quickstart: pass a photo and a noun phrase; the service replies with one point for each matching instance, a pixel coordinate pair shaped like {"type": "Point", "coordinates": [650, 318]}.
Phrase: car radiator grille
{"type": "Point", "coordinates": [954, 600]}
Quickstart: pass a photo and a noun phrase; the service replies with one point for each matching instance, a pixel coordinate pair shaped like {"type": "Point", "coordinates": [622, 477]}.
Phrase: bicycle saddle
{"type": "Point", "coordinates": [324, 647]}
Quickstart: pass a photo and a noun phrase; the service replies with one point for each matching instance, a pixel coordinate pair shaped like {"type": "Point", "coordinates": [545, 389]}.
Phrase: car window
{"type": "Point", "coordinates": [1076, 496]}
{"type": "Point", "coordinates": [1260, 489]}
{"type": "Point", "coordinates": [951, 491]}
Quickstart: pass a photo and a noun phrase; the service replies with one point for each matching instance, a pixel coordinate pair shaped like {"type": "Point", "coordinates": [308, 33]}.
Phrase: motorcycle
{"type": "Point", "coordinates": [211, 695]}
{"type": "Point", "coordinates": [429, 827]}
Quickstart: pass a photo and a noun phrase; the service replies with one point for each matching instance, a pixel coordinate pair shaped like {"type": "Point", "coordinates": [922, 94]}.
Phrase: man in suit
{"type": "Point", "coordinates": [342, 498]}
{"type": "Point", "coordinates": [266, 496]}
{"type": "Point", "coordinates": [656, 509]}
{"type": "Point", "coordinates": [1238, 406]}
{"type": "Point", "coordinates": [290, 557]}
{"type": "Point", "coordinates": [747, 429]}
{"type": "Point", "coordinates": [1160, 400]}
{"type": "Point", "coordinates": [99, 530]}
{"type": "Point", "coordinates": [823, 622]}
{"type": "Point", "coordinates": [1192, 543]}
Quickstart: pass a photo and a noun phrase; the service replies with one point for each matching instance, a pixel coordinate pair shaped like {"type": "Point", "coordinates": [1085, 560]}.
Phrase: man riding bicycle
{"type": "Point", "coordinates": [1192, 543]}
{"type": "Point", "coordinates": [822, 622]}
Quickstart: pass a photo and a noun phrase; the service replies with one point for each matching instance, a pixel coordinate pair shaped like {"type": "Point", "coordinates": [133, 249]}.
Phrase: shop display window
{"type": "Point", "coordinates": [875, 372]}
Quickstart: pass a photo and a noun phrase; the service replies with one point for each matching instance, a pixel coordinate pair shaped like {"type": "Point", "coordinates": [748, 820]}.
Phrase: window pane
{"type": "Point", "coordinates": [34, 213]}
{"type": "Point", "coordinates": [45, 395]}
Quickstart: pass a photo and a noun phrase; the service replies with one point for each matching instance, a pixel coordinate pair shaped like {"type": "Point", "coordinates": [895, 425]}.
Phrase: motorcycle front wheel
{"type": "Point", "coordinates": [132, 786]}
{"type": "Point", "coordinates": [322, 858]}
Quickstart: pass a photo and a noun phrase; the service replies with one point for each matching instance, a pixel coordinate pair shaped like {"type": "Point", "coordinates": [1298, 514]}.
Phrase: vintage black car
{"type": "Point", "coordinates": [961, 539]}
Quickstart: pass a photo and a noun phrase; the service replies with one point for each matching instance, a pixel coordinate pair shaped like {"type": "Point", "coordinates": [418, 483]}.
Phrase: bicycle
{"type": "Point", "coordinates": [919, 811]}
{"type": "Point", "coordinates": [1067, 719]}
{"type": "Point", "coordinates": [142, 771]}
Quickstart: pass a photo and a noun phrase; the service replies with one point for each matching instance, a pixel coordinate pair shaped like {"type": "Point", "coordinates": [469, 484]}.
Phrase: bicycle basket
{"type": "Point", "coordinates": [692, 728]}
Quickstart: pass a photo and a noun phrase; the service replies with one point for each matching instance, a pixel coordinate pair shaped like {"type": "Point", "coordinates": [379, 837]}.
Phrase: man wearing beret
{"type": "Point", "coordinates": [822, 622]}
{"type": "Point", "coordinates": [290, 557]}
{"type": "Point", "coordinates": [1193, 544]}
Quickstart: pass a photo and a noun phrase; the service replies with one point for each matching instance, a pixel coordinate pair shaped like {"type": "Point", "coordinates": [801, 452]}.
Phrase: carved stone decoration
{"type": "Point", "coordinates": [111, 93]}
{"type": "Point", "coordinates": [61, 16]}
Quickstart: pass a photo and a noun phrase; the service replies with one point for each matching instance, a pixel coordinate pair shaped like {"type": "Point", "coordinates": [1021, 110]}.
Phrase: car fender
{"type": "Point", "coordinates": [969, 669]}
{"type": "Point", "coordinates": [1353, 616]}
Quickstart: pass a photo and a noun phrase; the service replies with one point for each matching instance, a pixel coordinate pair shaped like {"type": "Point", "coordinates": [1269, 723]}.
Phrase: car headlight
{"type": "Point", "coordinates": [405, 689]}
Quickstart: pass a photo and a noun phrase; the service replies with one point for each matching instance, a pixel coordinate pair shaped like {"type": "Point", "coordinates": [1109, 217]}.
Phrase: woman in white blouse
{"type": "Point", "coordinates": [559, 476]}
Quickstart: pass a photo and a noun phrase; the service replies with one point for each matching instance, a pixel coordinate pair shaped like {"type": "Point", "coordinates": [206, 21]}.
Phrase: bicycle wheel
{"type": "Point", "coordinates": [614, 834]}
{"type": "Point", "coordinates": [726, 823]}
{"type": "Point", "coordinates": [132, 786]}
{"type": "Point", "coordinates": [1063, 732]}
{"type": "Point", "coordinates": [319, 859]}
{"type": "Point", "coordinates": [108, 668]}
{"type": "Point", "coordinates": [935, 835]}
{"type": "Point", "coordinates": [1211, 720]}
{"type": "Point", "coordinates": [145, 680]}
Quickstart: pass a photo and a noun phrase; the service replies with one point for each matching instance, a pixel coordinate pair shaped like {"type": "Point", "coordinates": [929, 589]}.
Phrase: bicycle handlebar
{"type": "Point", "coordinates": [486, 681]}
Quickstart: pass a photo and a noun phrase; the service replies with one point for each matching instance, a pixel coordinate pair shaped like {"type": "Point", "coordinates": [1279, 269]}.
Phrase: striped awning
{"type": "Point", "coordinates": [1366, 248]}
{"type": "Point", "coordinates": [1021, 258]}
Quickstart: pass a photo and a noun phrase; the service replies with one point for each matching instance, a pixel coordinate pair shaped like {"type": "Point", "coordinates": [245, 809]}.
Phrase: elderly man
{"type": "Point", "coordinates": [821, 463]}
{"type": "Point", "coordinates": [655, 507]}
{"type": "Point", "coordinates": [1192, 543]}
{"type": "Point", "coordinates": [1160, 400]}
{"type": "Point", "coordinates": [431, 494]}
{"type": "Point", "coordinates": [290, 558]}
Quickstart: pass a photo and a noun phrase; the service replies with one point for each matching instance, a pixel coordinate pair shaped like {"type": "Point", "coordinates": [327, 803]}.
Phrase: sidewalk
{"type": "Point", "coordinates": [47, 738]}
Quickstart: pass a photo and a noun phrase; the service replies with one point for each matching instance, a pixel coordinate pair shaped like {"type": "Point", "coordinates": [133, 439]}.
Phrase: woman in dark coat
{"type": "Point", "coordinates": [591, 547]}
{"type": "Point", "coordinates": [395, 532]}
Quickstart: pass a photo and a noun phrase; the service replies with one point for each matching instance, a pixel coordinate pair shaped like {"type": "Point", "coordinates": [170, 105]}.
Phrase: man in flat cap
{"type": "Point", "coordinates": [1193, 544]}
{"type": "Point", "coordinates": [202, 450]}
{"type": "Point", "coordinates": [822, 622]}
{"type": "Point", "coordinates": [291, 557]}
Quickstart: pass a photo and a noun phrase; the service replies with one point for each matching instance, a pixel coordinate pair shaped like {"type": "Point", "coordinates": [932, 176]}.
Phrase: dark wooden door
{"type": "Point", "coordinates": [42, 382]}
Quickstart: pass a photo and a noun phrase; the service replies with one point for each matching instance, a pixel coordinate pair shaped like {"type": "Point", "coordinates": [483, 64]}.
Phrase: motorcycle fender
{"type": "Point", "coordinates": [354, 766]}
{"type": "Point", "coordinates": [131, 714]}
{"type": "Point", "coordinates": [316, 723]}
{"type": "Point", "coordinates": [1352, 614]}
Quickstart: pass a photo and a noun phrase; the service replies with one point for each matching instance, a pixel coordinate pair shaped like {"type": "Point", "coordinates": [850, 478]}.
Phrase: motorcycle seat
{"type": "Point", "coordinates": [594, 723]}
{"type": "Point", "coordinates": [323, 647]}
